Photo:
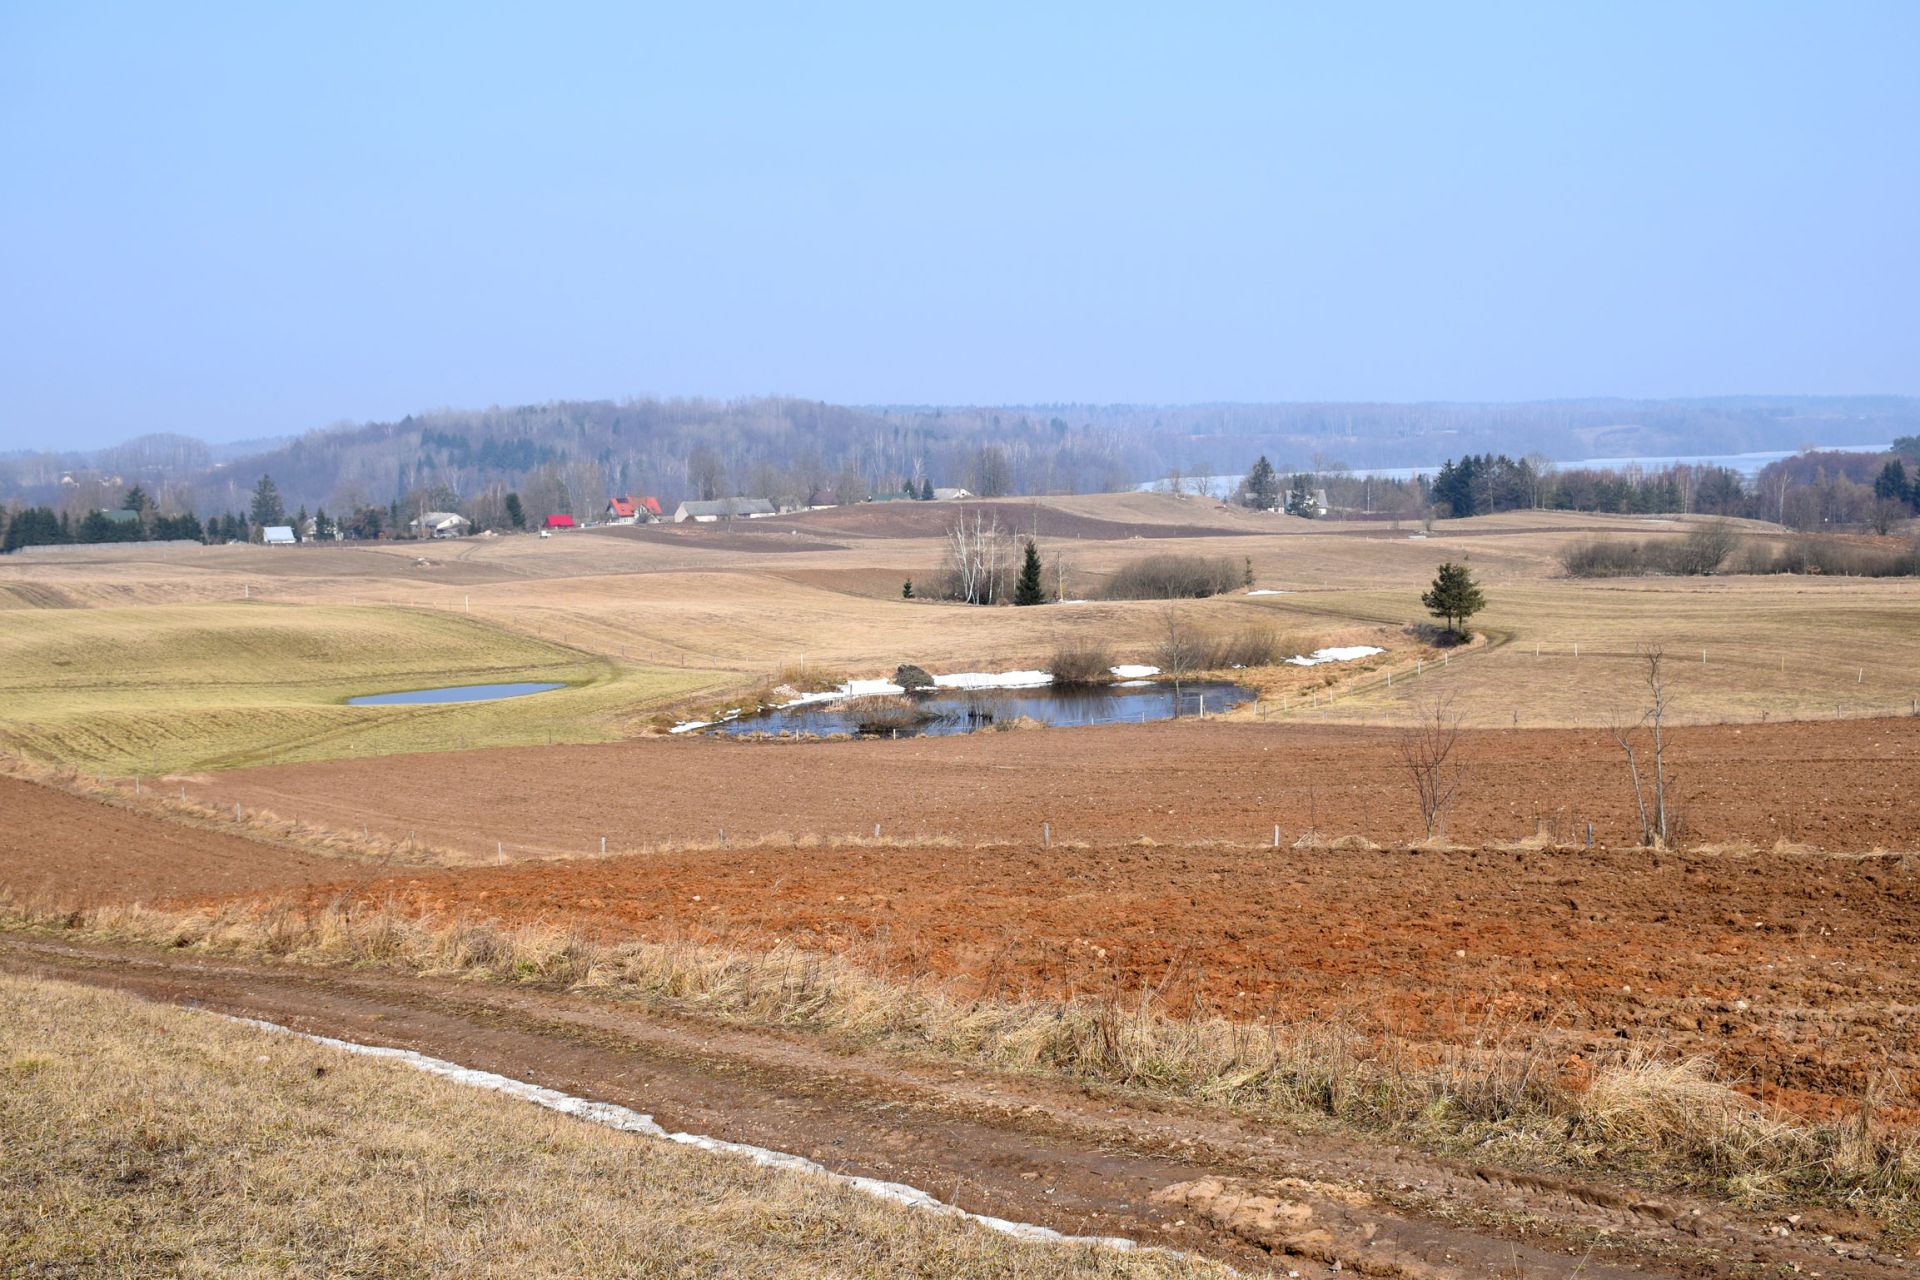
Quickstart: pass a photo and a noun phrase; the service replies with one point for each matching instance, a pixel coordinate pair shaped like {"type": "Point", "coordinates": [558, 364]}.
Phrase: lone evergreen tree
{"type": "Point", "coordinates": [516, 514]}
{"type": "Point", "coordinates": [926, 489]}
{"type": "Point", "coordinates": [1028, 589]}
{"type": "Point", "coordinates": [906, 589]}
{"type": "Point", "coordinates": [266, 503]}
{"type": "Point", "coordinates": [1263, 486]}
{"type": "Point", "coordinates": [1454, 597]}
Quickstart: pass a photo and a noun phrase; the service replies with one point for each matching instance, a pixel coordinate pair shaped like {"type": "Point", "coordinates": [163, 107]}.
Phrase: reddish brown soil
{"type": "Point", "coordinates": [80, 851]}
{"type": "Point", "coordinates": [1843, 785]}
{"type": "Point", "coordinates": [1798, 973]}
{"type": "Point", "coordinates": [1021, 1148]}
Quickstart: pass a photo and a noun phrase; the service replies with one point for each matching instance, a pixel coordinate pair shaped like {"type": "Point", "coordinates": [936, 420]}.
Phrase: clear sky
{"type": "Point", "coordinates": [252, 219]}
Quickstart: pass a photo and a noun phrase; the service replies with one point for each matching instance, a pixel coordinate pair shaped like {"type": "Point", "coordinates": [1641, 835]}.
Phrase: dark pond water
{"type": "Point", "coordinates": [457, 693]}
{"type": "Point", "coordinates": [965, 711]}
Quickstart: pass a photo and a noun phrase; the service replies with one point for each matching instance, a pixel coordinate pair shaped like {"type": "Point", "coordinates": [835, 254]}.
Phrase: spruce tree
{"type": "Point", "coordinates": [926, 489]}
{"type": "Point", "coordinates": [266, 503]}
{"type": "Point", "coordinates": [1263, 486]}
{"type": "Point", "coordinates": [516, 514]}
{"type": "Point", "coordinates": [1028, 589]}
{"type": "Point", "coordinates": [1454, 597]}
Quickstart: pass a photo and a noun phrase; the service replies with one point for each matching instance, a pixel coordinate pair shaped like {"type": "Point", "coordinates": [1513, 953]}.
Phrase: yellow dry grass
{"type": "Point", "coordinates": [165, 689]}
{"type": "Point", "coordinates": [744, 605]}
{"type": "Point", "coordinates": [145, 1140]}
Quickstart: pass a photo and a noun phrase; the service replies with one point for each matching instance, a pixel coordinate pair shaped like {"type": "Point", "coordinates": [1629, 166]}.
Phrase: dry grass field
{"type": "Point", "coordinates": [176, 688]}
{"type": "Point", "coordinates": [144, 1140]}
{"type": "Point", "coordinates": [1519, 994]}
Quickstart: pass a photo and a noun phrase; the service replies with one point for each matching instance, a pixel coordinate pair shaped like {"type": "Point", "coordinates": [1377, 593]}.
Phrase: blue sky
{"type": "Point", "coordinates": [252, 219]}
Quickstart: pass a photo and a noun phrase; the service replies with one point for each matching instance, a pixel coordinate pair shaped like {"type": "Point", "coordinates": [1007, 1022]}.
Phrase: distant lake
{"type": "Point", "coordinates": [454, 693]}
{"type": "Point", "coordinates": [1748, 465]}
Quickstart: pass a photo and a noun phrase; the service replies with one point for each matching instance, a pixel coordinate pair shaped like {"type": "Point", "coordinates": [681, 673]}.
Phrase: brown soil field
{"type": "Point", "coordinates": [1844, 786]}
{"type": "Point", "coordinates": [79, 850]}
{"type": "Point", "coordinates": [1270, 1201]}
{"type": "Point", "coordinates": [1796, 974]}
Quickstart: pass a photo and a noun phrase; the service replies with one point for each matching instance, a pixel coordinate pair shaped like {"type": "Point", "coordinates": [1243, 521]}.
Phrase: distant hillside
{"type": "Point", "coordinates": [570, 455]}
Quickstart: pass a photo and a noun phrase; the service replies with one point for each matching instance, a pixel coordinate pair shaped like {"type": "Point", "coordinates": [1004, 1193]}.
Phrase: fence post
{"type": "Point", "coordinates": [236, 812]}
{"type": "Point", "coordinates": [603, 844]}
{"type": "Point", "coordinates": [1046, 835]}
{"type": "Point", "coordinates": [1276, 835]}
{"type": "Point", "coordinates": [499, 851]}
{"type": "Point", "coordinates": [876, 831]}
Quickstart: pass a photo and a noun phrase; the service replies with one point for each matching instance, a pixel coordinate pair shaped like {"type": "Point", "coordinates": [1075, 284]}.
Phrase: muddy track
{"type": "Point", "coordinates": [1080, 1161]}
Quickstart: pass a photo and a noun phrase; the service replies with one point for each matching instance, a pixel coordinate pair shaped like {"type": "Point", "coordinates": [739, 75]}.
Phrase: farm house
{"type": "Point", "coordinates": [723, 509]}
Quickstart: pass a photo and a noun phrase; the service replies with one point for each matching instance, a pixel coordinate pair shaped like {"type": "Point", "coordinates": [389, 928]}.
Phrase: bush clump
{"type": "Point", "coordinates": [911, 678]}
{"type": "Point", "coordinates": [884, 713]}
{"type": "Point", "coordinates": [1712, 548]}
{"type": "Point", "coordinates": [1172, 576]}
{"type": "Point", "coordinates": [1081, 662]}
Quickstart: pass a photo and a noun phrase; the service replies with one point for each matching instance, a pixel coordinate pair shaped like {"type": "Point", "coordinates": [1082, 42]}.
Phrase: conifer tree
{"type": "Point", "coordinates": [1028, 589]}
{"type": "Point", "coordinates": [1454, 597]}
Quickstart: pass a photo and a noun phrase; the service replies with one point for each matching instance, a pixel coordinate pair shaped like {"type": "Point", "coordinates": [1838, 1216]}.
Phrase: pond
{"type": "Point", "coordinates": [966, 711]}
{"type": "Point", "coordinates": [455, 693]}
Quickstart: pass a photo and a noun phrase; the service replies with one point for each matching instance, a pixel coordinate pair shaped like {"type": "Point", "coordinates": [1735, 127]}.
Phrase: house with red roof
{"type": "Point", "coordinates": [630, 510]}
{"type": "Point", "coordinates": [559, 522]}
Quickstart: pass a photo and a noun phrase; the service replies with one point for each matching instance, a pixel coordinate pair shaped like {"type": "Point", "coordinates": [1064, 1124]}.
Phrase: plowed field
{"type": "Point", "coordinates": [1796, 973]}
{"type": "Point", "coordinates": [1845, 786]}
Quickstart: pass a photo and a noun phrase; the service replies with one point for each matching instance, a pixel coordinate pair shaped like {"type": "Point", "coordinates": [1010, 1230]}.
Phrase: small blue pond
{"type": "Point", "coordinates": [457, 693]}
{"type": "Point", "coordinates": [956, 711]}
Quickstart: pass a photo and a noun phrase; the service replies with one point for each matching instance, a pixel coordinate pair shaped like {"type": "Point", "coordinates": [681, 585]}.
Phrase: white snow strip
{"type": "Point", "coordinates": [614, 1116]}
{"type": "Point", "coordinates": [1073, 602]}
{"type": "Point", "coordinates": [688, 726]}
{"type": "Point", "coordinates": [1269, 591]}
{"type": "Point", "coordinates": [994, 680]}
{"type": "Point", "coordinates": [1132, 684]}
{"type": "Point", "coordinates": [1347, 654]}
{"type": "Point", "coordinates": [1133, 671]}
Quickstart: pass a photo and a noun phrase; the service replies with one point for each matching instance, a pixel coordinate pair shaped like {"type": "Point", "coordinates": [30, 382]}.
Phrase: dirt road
{"type": "Point", "coordinates": [1077, 1161]}
{"type": "Point", "coordinates": [1836, 785]}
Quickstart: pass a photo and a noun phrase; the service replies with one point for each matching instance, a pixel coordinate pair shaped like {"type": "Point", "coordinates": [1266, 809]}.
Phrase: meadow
{"type": "Point", "coordinates": [169, 689]}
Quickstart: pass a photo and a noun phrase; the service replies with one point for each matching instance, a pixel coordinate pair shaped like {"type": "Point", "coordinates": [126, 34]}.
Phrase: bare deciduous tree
{"type": "Point", "coordinates": [1180, 652]}
{"type": "Point", "coordinates": [1427, 748]}
{"type": "Point", "coordinates": [979, 556]}
{"type": "Point", "coordinates": [1649, 733]}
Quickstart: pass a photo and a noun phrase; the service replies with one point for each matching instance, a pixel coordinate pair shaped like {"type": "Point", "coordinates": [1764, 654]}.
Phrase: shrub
{"type": "Point", "coordinates": [1248, 647]}
{"type": "Point", "coordinates": [1171, 576]}
{"type": "Point", "coordinates": [884, 713]}
{"type": "Point", "coordinates": [911, 678]}
{"type": "Point", "coordinates": [1081, 662]}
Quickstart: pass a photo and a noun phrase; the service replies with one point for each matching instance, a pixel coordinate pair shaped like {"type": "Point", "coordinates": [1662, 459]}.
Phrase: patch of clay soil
{"type": "Point", "coordinates": [79, 850]}
{"type": "Point", "coordinates": [1842, 785]}
{"type": "Point", "coordinates": [1798, 974]}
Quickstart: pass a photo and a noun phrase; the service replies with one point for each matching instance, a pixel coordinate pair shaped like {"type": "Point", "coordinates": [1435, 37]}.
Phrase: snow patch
{"type": "Point", "coordinates": [1269, 591]}
{"type": "Point", "coordinates": [1347, 654]}
{"type": "Point", "coordinates": [627, 1120]}
{"type": "Point", "coordinates": [1133, 671]}
{"type": "Point", "coordinates": [990, 680]}
{"type": "Point", "coordinates": [688, 726]}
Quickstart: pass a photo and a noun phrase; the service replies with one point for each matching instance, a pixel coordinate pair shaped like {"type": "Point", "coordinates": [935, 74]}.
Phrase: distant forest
{"type": "Point", "coordinates": [569, 457]}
